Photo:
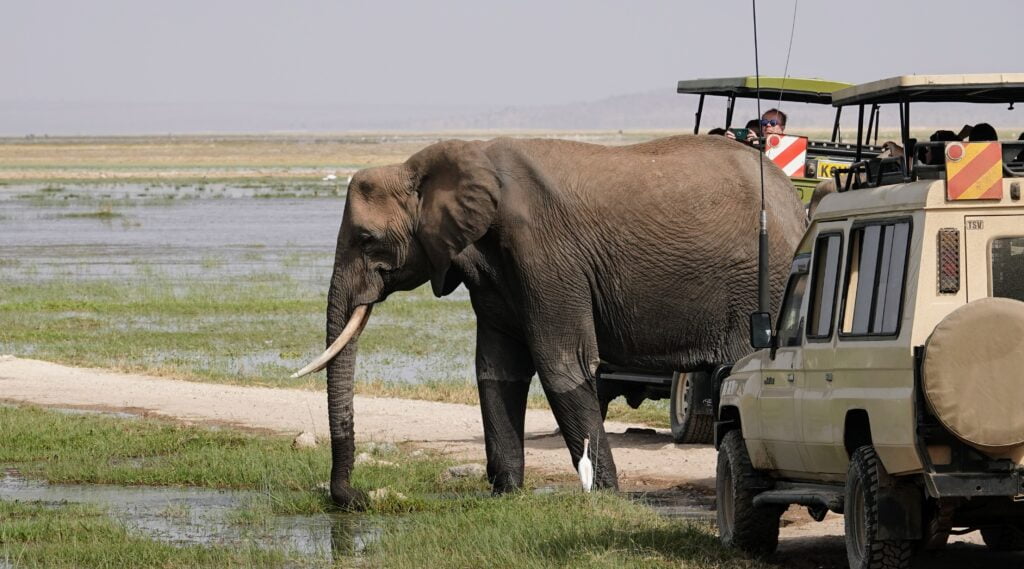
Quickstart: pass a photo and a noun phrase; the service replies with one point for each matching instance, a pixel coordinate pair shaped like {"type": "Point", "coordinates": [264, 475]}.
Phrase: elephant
{"type": "Point", "coordinates": [643, 256]}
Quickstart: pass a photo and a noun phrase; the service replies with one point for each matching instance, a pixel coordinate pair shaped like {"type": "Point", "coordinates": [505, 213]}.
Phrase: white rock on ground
{"type": "Point", "coordinates": [471, 470]}
{"type": "Point", "coordinates": [305, 439]}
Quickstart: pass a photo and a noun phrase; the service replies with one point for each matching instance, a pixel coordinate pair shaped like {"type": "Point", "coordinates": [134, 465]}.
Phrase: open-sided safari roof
{"type": "Point", "coordinates": [784, 88]}
{"type": "Point", "coordinates": [973, 88]}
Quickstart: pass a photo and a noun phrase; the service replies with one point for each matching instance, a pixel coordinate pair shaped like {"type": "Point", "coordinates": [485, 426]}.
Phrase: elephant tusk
{"type": "Point", "coordinates": [352, 328]}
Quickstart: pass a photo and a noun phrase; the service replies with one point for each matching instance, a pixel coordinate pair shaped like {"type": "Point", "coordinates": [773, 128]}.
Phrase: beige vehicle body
{"type": "Point", "coordinates": [891, 387]}
{"type": "Point", "coordinates": [804, 407]}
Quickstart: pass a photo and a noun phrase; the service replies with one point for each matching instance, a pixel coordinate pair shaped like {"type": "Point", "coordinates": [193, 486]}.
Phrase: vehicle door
{"type": "Point", "coordinates": [865, 375]}
{"type": "Point", "coordinates": [816, 420]}
{"type": "Point", "coordinates": [780, 376]}
{"type": "Point", "coordinates": [994, 259]}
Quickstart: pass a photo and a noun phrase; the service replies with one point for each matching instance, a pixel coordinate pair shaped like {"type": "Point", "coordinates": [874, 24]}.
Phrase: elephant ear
{"type": "Point", "coordinates": [459, 192]}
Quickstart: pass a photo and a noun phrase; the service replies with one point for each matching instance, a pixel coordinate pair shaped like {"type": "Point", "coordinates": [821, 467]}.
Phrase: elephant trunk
{"type": "Point", "coordinates": [340, 388]}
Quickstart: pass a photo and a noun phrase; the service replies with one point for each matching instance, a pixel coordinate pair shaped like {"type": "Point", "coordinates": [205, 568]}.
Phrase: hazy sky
{"type": "Point", "coordinates": [463, 52]}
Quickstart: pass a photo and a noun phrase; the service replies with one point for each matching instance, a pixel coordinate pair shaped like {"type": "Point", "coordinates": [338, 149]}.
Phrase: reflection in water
{"type": "Point", "coordinates": [678, 504]}
{"type": "Point", "coordinates": [198, 516]}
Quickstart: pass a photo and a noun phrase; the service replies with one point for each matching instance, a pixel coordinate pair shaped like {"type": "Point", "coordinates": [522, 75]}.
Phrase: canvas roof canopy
{"type": "Point", "coordinates": [785, 88]}
{"type": "Point", "coordinates": [970, 88]}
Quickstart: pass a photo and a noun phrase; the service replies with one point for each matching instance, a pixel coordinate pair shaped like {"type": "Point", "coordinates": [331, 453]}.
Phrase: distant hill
{"type": "Point", "coordinates": [662, 109]}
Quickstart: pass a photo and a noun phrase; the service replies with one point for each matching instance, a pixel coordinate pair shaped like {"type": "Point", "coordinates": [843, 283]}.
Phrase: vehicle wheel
{"type": "Point", "coordinates": [1003, 538]}
{"type": "Point", "coordinates": [687, 426]}
{"type": "Point", "coordinates": [753, 530]}
{"type": "Point", "coordinates": [863, 549]}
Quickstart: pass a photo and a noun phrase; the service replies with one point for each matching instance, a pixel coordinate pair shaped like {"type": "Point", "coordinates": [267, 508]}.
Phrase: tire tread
{"type": "Point", "coordinates": [695, 428]}
{"type": "Point", "coordinates": [881, 554]}
{"type": "Point", "coordinates": [756, 530]}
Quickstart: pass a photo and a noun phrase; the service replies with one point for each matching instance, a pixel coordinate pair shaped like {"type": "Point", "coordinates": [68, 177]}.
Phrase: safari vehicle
{"type": "Point", "coordinates": [891, 388]}
{"type": "Point", "coordinates": [691, 409]}
{"type": "Point", "coordinates": [805, 161]}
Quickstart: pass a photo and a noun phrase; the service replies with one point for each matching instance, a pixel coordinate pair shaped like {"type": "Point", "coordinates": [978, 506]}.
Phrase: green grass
{"type": "Point", "coordinates": [255, 332]}
{"type": "Point", "coordinates": [73, 536]}
{"type": "Point", "coordinates": [434, 523]}
{"type": "Point", "coordinates": [95, 449]}
{"type": "Point", "coordinates": [566, 529]}
{"type": "Point", "coordinates": [73, 448]}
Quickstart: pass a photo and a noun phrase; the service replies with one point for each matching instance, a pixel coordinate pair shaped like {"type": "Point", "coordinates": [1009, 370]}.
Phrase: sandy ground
{"type": "Point", "coordinates": [641, 457]}
{"type": "Point", "coordinates": [646, 458]}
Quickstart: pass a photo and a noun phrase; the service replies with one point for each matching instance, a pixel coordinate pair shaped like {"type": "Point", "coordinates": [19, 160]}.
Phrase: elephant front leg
{"type": "Point", "coordinates": [504, 370]}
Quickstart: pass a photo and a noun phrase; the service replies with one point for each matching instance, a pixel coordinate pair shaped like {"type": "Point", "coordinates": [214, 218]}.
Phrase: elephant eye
{"type": "Point", "coordinates": [365, 237]}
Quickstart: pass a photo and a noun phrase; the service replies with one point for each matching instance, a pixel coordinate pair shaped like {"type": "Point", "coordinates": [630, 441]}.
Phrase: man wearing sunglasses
{"type": "Point", "coordinates": [773, 121]}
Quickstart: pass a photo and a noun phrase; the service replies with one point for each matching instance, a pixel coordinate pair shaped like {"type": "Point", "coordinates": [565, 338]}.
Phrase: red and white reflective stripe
{"type": "Point", "coordinates": [788, 153]}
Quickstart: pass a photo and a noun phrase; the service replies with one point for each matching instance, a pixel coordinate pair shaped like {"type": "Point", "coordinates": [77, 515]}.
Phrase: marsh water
{"type": "Point", "coordinates": [207, 233]}
{"type": "Point", "coordinates": [197, 516]}
{"type": "Point", "coordinates": [226, 237]}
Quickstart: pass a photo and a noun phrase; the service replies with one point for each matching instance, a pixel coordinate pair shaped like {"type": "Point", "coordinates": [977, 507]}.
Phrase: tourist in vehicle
{"type": "Point", "coordinates": [773, 121]}
{"type": "Point", "coordinates": [983, 132]}
{"type": "Point", "coordinates": [717, 131]}
{"type": "Point", "coordinates": [753, 128]}
{"type": "Point", "coordinates": [935, 155]}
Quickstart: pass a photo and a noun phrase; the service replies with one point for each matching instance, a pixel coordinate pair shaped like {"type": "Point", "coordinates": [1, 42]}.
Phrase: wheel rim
{"type": "Point", "coordinates": [682, 407]}
{"type": "Point", "coordinates": [858, 529]}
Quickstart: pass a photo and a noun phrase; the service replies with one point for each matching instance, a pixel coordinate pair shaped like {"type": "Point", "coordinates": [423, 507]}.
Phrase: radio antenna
{"type": "Point", "coordinates": [763, 301]}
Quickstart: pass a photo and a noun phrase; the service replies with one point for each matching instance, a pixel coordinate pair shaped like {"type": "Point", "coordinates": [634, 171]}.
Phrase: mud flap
{"type": "Point", "coordinates": [703, 403]}
{"type": "Point", "coordinates": [899, 512]}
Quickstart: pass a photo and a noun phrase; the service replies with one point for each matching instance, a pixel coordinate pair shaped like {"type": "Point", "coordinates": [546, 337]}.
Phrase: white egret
{"type": "Point", "coordinates": [585, 468]}
{"type": "Point", "coordinates": [330, 177]}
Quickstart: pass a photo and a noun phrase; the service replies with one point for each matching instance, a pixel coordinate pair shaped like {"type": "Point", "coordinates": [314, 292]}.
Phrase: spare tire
{"type": "Point", "coordinates": [973, 373]}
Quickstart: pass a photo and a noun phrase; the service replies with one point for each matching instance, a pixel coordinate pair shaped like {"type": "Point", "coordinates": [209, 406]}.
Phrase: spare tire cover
{"type": "Point", "coordinates": [973, 375]}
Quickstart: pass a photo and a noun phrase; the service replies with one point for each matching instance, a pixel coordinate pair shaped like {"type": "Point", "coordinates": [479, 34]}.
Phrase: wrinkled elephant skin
{"type": "Point", "coordinates": [643, 256]}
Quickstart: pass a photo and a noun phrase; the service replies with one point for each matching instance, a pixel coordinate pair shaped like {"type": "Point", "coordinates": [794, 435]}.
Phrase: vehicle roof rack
{"type": "Point", "coordinates": [969, 88]}
{"type": "Point", "coordinates": [793, 89]}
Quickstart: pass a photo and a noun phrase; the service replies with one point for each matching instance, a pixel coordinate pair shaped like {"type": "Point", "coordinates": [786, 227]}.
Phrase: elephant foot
{"type": "Point", "coordinates": [607, 484]}
{"type": "Point", "coordinates": [348, 498]}
{"type": "Point", "coordinates": [506, 482]}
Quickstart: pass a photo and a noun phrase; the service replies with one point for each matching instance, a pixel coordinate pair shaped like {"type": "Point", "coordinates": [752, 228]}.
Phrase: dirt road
{"type": "Point", "coordinates": [646, 458]}
{"type": "Point", "coordinates": [641, 457]}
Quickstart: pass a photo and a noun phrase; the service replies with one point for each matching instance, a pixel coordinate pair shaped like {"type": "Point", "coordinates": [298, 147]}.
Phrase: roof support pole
{"type": "Point", "coordinates": [700, 109]}
{"type": "Point", "coordinates": [728, 110]}
{"type": "Point", "coordinates": [908, 152]}
{"type": "Point", "coordinates": [860, 131]}
{"type": "Point", "coordinates": [835, 127]}
{"type": "Point", "coordinates": [872, 124]}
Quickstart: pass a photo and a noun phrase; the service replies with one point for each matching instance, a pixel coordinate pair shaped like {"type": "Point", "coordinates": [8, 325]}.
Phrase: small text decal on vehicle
{"type": "Point", "coordinates": [975, 224]}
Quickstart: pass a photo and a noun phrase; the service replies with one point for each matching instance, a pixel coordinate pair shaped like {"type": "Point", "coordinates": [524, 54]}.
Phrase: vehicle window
{"type": "Point", "coordinates": [874, 283]}
{"type": "Point", "coordinates": [825, 276]}
{"type": "Point", "coordinates": [791, 325]}
{"type": "Point", "coordinates": [1008, 267]}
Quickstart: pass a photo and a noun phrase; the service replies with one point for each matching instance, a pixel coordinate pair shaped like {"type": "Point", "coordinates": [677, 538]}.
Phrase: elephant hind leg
{"type": "Point", "coordinates": [504, 370]}
{"type": "Point", "coordinates": [578, 413]}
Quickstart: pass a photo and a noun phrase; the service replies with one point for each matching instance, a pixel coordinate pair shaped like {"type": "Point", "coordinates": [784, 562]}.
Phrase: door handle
{"type": "Point", "coordinates": [828, 376]}
{"type": "Point", "coordinates": [790, 377]}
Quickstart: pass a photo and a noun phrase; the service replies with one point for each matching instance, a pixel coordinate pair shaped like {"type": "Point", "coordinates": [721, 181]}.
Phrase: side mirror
{"type": "Point", "coordinates": [760, 330]}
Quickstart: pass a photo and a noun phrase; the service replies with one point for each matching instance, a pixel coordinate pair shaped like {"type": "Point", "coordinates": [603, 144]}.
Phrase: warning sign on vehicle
{"type": "Point", "coordinates": [788, 153]}
{"type": "Point", "coordinates": [974, 171]}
